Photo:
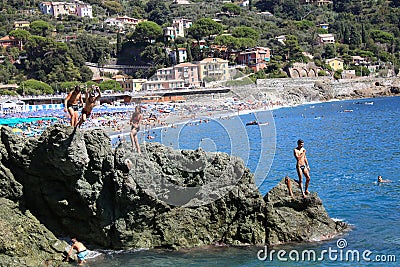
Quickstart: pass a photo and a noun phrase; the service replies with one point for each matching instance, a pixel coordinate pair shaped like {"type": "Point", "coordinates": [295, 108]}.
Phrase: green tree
{"type": "Point", "coordinates": [113, 7]}
{"type": "Point", "coordinates": [21, 35]}
{"type": "Point", "coordinates": [147, 31]}
{"type": "Point", "coordinates": [111, 85]}
{"type": "Point", "coordinates": [34, 87]}
{"type": "Point", "coordinates": [246, 32]}
{"type": "Point", "coordinates": [204, 27]}
{"type": "Point", "coordinates": [40, 27]}
{"type": "Point", "coordinates": [381, 36]}
{"type": "Point", "coordinates": [231, 8]}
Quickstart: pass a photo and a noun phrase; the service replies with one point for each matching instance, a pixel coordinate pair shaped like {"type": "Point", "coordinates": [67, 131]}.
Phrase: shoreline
{"type": "Point", "coordinates": [219, 115]}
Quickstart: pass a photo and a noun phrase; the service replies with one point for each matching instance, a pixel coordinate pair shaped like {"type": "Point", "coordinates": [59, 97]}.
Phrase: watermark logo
{"type": "Point", "coordinates": [340, 253]}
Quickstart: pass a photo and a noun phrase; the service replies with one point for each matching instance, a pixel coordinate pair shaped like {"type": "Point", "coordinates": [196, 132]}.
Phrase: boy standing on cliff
{"type": "Point", "coordinates": [302, 166]}
{"type": "Point", "coordinates": [71, 104]}
{"type": "Point", "coordinates": [90, 102]}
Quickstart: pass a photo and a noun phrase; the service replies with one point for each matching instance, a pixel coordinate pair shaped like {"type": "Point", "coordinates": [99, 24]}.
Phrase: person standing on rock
{"type": "Point", "coordinates": [135, 127]}
{"type": "Point", "coordinates": [90, 102]}
{"type": "Point", "coordinates": [81, 250]}
{"type": "Point", "coordinates": [71, 105]}
{"type": "Point", "coordinates": [302, 166]}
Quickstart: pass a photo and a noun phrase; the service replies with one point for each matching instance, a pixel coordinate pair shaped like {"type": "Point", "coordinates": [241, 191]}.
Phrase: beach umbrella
{"type": "Point", "coordinates": [16, 130]}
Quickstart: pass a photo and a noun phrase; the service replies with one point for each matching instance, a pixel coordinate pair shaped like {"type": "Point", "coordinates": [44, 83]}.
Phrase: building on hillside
{"type": "Point", "coordinates": [202, 44]}
{"type": "Point", "coordinates": [46, 8]}
{"type": "Point", "coordinates": [132, 85]}
{"type": "Point", "coordinates": [327, 38]}
{"type": "Point", "coordinates": [213, 69]}
{"type": "Point", "coordinates": [317, 2]}
{"type": "Point", "coordinates": [357, 60]}
{"type": "Point", "coordinates": [84, 10]}
{"type": "Point", "coordinates": [162, 85]}
{"type": "Point", "coordinates": [181, 2]}
{"type": "Point", "coordinates": [189, 73]}
{"type": "Point", "coordinates": [281, 39]}
{"type": "Point", "coordinates": [335, 63]}
{"type": "Point", "coordinates": [181, 25]}
{"type": "Point", "coordinates": [177, 29]}
{"type": "Point", "coordinates": [21, 24]}
{"type": "Point", "coordinates": [348, 74]}
{"type": "Point", "coordinates": [182, 56]}
{"type": "Point", "coordinates": [119, 78]}
{"type": "Point", "coordinates": [128, 22]}
{"type": "Point", "coordinates": [9, 41]}
{"type": "Point", "coordinates": [114, 22]}
{"type": "Point", "coordinates": [179, 76]}
{"type": "Point", "coordinates": [255, 58]}
{"type": "Point", "coordinates": [169, 33]}
{"type": "Point", "coordinates": [57, 9]}
{"type": "Point", "coordinates": [324, 26]}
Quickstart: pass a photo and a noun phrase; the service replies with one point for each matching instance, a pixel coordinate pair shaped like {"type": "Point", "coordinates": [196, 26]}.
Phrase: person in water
{"type": "Point", "coordinates": [81, 250]}
{"type": "Point", "coordinates": [90, 102]}
{"type": "Point", "coordinates": [135, 127]}
{"type": "Point", "coordinates": [380, 180]}
{"type": "Point", "coordinates": [71, 104]}
{"type": "Point", "coordinates": [302, 166]}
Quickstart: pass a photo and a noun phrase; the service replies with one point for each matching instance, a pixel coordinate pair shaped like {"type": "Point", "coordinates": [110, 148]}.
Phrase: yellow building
{"type": "Point", "coordinates": [214, 69]}
{"type": "Point", "coordinates": [21, 24]}
{"type": "Point", "coordinates": [335, 63]}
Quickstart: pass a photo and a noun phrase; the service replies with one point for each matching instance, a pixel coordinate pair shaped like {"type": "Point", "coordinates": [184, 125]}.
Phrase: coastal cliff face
{"type": "Point", "coordinates": [78, 186]}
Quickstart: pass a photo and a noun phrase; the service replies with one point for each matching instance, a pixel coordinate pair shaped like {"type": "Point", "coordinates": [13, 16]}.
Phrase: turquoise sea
{"type": "Point", "coordinates": [349, 143]}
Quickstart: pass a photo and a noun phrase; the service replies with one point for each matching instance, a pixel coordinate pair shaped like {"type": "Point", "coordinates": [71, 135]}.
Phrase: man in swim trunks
{"type": "Point", "coordinates": [135, 127]}
{"type": "Point", "coordinates": [71, 104]}
{"type": "Point", "coordinates": [81, 250]}
{"type": "Point", "coordinates": [302, 166]}
{"type": "Point", "coordinates": [90, 102]}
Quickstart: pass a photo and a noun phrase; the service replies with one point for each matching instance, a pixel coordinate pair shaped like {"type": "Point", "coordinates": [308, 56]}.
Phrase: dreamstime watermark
{"type": "Point", "coordinates": [339, 253]}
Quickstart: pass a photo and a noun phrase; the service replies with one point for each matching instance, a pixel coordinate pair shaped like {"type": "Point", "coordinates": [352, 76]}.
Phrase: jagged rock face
{"type": "Point", "coordinates": [297, 219]}
{"type": "Point", "coordinates": [77, 185]}
{"type": "Point", "coordinates": [24, 241]}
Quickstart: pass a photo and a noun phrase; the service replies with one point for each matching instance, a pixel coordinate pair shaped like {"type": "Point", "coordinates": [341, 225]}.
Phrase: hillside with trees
{"type": "Point", "coordinates": [54, 50]}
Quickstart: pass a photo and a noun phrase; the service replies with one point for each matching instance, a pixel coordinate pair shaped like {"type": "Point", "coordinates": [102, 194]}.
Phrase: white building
{"type": "Point", "coordinates": [328, 38]}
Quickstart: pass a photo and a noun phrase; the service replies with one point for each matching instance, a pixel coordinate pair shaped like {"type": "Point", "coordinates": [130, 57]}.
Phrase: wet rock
{"type": "Point", "coordinates": [24, 241]}
{"type": "Point", "coordinates": [297, 219]}
{"type": "Point", "coordinates": [78, 186]}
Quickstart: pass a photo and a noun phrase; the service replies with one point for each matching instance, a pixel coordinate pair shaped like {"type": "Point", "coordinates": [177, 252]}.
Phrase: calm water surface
{"type": "Point", "coordinates": [349, 143]}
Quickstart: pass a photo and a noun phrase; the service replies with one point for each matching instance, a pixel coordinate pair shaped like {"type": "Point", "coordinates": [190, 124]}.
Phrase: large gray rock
{"type": "Point", "coordinates": [24, 241]}
{"type": "Point", "coordinates": [77, 185]}
{"type": "Point", "coordinates": [297, 219]}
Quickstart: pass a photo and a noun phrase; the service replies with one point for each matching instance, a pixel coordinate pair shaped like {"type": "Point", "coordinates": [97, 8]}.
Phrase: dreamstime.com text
{"type": "Point", "coordinates": [340, 253]}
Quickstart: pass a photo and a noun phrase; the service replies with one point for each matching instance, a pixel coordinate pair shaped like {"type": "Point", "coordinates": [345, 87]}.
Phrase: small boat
{"type": "Point", "coordinates": [369, 103]}
{"type": "Point", "coordinates": [252, 123]}
{"type": "Point", "coordinates": [348, 110]}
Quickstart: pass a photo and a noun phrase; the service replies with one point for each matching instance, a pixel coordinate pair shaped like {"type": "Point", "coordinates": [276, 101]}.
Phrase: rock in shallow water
{"type": "Point", "coordinates": [77, 185]}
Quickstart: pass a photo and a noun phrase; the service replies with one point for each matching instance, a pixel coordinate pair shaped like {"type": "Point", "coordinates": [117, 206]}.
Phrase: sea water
{"type": "Point", "coordinates": [349, 143]}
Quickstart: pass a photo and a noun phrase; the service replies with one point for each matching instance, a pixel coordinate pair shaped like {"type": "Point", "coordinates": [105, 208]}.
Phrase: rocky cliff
{"type": "Point", "coordinates": [77, 185]}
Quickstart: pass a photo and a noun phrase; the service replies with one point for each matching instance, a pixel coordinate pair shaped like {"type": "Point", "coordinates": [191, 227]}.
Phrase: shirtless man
{"type": "Point", "coordinates": [135, 127]}
{"type": "Point", "coordinates": [71, 104]}
{"type": "Point", "coordinates": [81, 250]}
{"type": "Point", "coordinates": [302, 166]}
{"type": "Point", "coordinates": [90, 102]}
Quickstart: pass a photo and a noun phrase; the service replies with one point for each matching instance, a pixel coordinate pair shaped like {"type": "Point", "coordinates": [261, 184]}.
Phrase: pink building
{"type": "Point", "coordinates": [255, 58]}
